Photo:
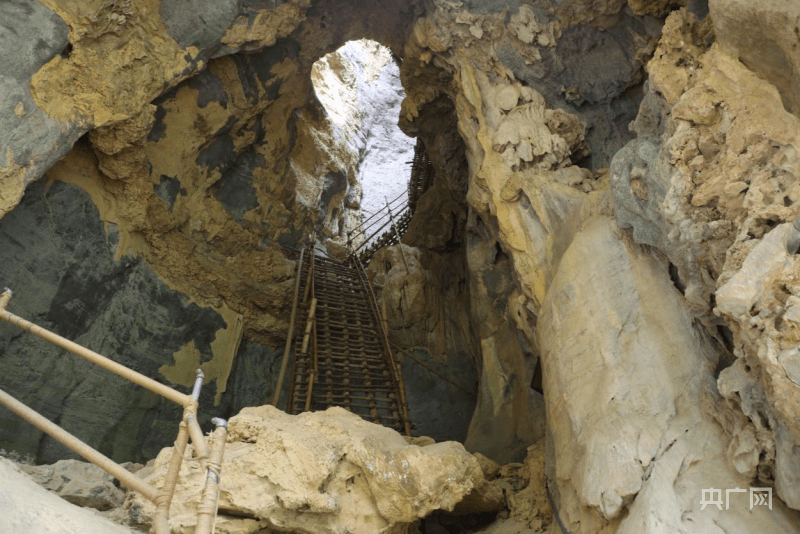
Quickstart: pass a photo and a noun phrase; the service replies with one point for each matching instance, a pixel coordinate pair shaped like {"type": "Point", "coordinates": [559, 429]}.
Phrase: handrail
{"type": "Point", "coordinates": [97, 359]}
{"type": "Point", "coordinates": [187, 428]}
{"type": "Point", "coordinates": [376, 232]}
{"type": "Point", "coordinates": [79, 447]}
{"type": "Point", "coordinates": [399, 238]}
{"type": "Point", "coordinates": [290, 335]}
{"type": "Point", "coordinates": [382, 220]}
{"type": "Point", "coordinates": [380, 210]}
{"type": "Point", "coordinates": [396, 371]}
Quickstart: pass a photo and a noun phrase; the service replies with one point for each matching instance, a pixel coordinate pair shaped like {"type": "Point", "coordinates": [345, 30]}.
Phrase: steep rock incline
{"type": "Point", "coordinates": [522, 142]}
{"type": "Point", "coordinates": [497, 70]}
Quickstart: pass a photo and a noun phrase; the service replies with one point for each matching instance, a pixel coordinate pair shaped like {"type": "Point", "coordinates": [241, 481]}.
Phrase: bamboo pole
{"type": "Point", "coordinates": [209, 499]}
{"type": "Point", "coordinates": [361, 226]}
{"type": "Point", "coordinates": [198, 440]}
{"type": "Point", "coordinates": [188, 426]}
{"type": "Point", "coordinates": [164, 498]}
{"type": "Point", "coordinates": [376, 232]}
{"type": "Point", "coordinates": [277, 395]}
{"type": "Point", "coordinates": [89, 355]}
{"type": "Point", "coordinates": [97, 458]}
{"type": "Point", "coordinates": [304, 351]}
{"type": "Point", "coordinates": [312, 378]}
{"type": "Point", "coordinates": [309, 323]}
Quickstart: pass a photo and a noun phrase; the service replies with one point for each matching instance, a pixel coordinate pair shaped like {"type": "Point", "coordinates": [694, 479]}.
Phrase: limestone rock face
{"type": "Point", "coordinates": [764, 37]}
{"type": "Point", "coordinates": [359, 85]}
{"type": "Point", "coordinates": [720, 189]}
{"type": "Point", "coordinates": [325, 472]}
{"type": "Point", "coordinates": [31, 140]}
{"type": "Point", "coordinates": [613, 202]}
{"type": "Point", "coordinates": [201, 163]}
{"type": "Point", "coordinates": [648, 400]}
{"type": "Point", "coordinates": [429, 326]}
{"type": "Point", "coordinates": [59, 260]}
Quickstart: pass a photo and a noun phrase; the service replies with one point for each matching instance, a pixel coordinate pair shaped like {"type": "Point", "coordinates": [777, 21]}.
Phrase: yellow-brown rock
{"type": "Point", "coordinates": [322, 472]}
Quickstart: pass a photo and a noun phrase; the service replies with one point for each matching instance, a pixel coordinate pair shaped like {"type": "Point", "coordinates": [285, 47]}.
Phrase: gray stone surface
{"type": "Point", "coordinates": [639, 188]}
{"type": "Point", "coordinates": [30, 35]}
{"type": "Point", "coordinates": [59, 260]}
{"type": "Point", "coordinates": [198, 23]}
{"type": "Point", "coordinates": [235, 189]}
{"type": "Point", "coordinates": [27, 508]}
{"type": "Point", "coordinates": [787, 478]}
{"type": "Point", "coordinates": [589, 74]}
{"type": "Point", "coordinates": [509, 415]}
{"type": "Point", "coordinates": [437, 408]}
{"type": "Point", "coordinates": [81, 483]}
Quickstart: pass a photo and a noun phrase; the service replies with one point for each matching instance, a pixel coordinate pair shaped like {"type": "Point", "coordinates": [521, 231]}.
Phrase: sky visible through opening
{"type": "Point", "coordinates": [359, 86]}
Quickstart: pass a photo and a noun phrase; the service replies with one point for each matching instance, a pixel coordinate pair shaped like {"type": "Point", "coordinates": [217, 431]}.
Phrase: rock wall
{"type": "Point", "coordinates": [200, 163]}
{"type": "Point", "coordinates": [616, 185]}
{"type": "Point", "coordinates": [523, 139]}
{"type": "Point", "coordinates": [723, 164]}
{"type": "Point", "coordinates": [31, 509]}
{"type": "Point", "coordinates": [59, 258]}
{"type": "Point", "coordinates": [427, 312]}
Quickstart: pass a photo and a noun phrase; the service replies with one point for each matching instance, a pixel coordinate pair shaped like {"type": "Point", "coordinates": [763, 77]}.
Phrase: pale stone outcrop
{"type": "Point", "coordinates": [629, 421]}
{"type": "Point", "coordinates": [27, 508]}
{"type": "Point", "coordinates": [721, 175]}
{"type": "Point", "coordinates": [322, 472]}
{"type": "Point", "coordinates": [763, 35]}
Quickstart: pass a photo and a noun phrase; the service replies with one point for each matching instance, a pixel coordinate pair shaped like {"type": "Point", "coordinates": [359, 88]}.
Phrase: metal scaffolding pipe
{"type": "Point", "coordinates": [96, 457]}
{"type": "Point", "coordinates": [89, 355]}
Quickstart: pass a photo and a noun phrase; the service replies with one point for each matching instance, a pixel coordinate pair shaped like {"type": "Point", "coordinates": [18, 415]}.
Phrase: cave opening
{"type": "Point", "coordinates": [359, 87]}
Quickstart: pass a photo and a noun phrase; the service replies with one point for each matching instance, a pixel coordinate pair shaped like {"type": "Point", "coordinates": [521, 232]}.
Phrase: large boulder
{"type": "Point", "coordinates": [319, 472]}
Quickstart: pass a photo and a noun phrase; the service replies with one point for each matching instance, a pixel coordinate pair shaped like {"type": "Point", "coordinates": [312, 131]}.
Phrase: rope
{"type": "Point", "coordinates": [555, 511]}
